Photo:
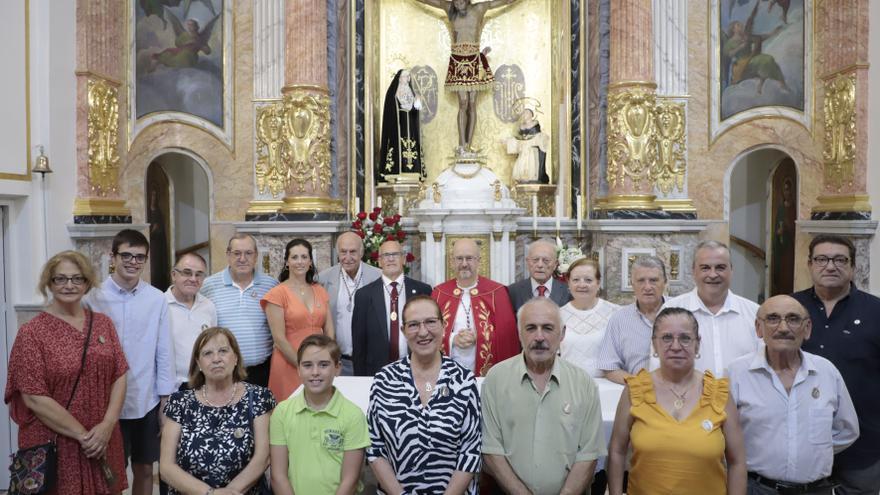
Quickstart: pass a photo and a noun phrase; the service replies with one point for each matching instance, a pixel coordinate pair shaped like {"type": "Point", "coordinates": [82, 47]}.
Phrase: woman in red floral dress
{"type": "Point", "coordinates": [43, 367]}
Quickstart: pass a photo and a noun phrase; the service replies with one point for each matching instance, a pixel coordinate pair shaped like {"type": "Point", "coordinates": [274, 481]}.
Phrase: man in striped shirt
{"type": "Point", "coordinates": [236, 291]}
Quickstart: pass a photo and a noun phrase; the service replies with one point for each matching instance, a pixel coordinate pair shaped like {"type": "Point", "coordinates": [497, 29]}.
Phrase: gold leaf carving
{"type": "Point", "coordinates": [669, 172]}
{"type": "Point", "coordinates": [632, 136]}
{"type": "Point", "coordinates": [839, 151]}
{"type": "Point", "coordinates": [103, 136]}
{"type": "Point", "coordinates": [293, 144]}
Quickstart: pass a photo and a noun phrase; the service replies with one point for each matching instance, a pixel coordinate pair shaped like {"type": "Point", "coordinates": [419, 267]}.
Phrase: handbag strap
{"type": "Point", "coordinates": [82, 364]}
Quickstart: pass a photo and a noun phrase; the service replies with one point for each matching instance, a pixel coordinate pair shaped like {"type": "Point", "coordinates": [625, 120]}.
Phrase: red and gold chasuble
{"type": "Point", "coordinates": [493, 320]}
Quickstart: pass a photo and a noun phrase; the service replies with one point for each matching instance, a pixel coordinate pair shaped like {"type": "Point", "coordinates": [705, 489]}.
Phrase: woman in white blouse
{"type": "Point", "coordinates": [585, 317]}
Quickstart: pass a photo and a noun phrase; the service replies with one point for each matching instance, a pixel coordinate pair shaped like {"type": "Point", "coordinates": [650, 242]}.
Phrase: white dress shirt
{"type": "Point", "coordinates": [792, 436]}
{"type": "Point", "coordinates": [403, 348]}
{"type": "Point", "coordinates": [464, 318]}
{"type": "Point", "coordinates": [186, 325]}
{"type": "Point", "coordinates": [345, 307]}
{"type": "Point", "coordinates": [548, 285]}
{"type": "Point", "coordinates": [725, 335]}
{"type": "Point", "coordinates": [141, 319]}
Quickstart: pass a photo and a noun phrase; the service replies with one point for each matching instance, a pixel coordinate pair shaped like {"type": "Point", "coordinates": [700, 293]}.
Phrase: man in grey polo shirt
{"type": "Point", "coordinates": [626, 347]}
{"type": "Point", "coordinates": [542, 422]}
{"type": "Point", "coordinates": [341, 281]}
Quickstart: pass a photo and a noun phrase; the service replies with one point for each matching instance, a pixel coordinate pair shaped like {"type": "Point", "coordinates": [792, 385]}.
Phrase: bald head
{"type": "Point", "coordinates": [784, 324]}
{"type": "Point", "coordinates": [466, 260]}
{"type": "Point", "coordinates": [541, 261]}
{"type": "Point", "coordinates": [349, 251]}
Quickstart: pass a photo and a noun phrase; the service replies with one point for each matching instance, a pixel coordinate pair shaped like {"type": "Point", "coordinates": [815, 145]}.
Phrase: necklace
{"type": "Point", "coordinates": [228, 402]}
{"type": "Point", "coordinates": [679, 398]}
{"type": "Point", "coordinates": [429, 383]}
{"type": "Point", "coordinates": [470, 305]}
{"type": "Point", "coordinates": [348, 289]}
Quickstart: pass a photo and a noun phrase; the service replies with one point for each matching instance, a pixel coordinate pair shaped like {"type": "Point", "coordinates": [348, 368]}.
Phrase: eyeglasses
{"type": "Point", "coordinates": [430, 324]}
{"type": "Point", "coordinates": [61, 280]}
{"type": "Point", "coordinates": [684, 340]}
{"type": "Point", "coordinates": [838, 260]}
{"type": "Point", "coordinates": [138, 258]}
{"type": "Point", "coordinates": [391, 256]}
{"type": "Point", "coordinates": [187, 273]}
{"type": "Point", "coordinates": [794, 321]}
{"type": "Point", "coordinates": [463, 259]}
{"type": "Point", "coordinates": [545, 261]}
{"type": "Point", "coordinates": [239, 254]}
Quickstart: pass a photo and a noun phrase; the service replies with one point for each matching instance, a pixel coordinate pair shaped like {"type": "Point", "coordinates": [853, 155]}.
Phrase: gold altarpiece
{"type": "Point", "coordinates": [533, 35]}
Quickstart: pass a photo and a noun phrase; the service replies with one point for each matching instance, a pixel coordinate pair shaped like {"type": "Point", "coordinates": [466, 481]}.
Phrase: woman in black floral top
{"type": "Point", "coordinates": [216, 438]}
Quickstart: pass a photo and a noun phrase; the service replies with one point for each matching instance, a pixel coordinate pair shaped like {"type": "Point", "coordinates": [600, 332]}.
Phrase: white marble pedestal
{"type": "Point", "coordinates": [472, 203]}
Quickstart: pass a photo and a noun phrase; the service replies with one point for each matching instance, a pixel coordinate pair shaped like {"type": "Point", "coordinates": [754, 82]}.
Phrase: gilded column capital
{"type": "Point", "coordinates": [632, 137]}
{"type": "Point", "coordinates": [293, 151]}
{"type": "Point", "coordinates": [839, 143]}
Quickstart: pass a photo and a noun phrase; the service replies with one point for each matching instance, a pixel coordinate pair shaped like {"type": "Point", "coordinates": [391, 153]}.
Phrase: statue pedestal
{"type": "Point", "coordinates": [391, 192]}
{"type": "Point", "coordinates": [467, 200]}
{"type": "Point", "coordinates": [546, 194]}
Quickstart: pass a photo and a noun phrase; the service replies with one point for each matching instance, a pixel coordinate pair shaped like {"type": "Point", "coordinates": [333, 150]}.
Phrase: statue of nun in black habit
{"type": "Point", "coordinates": [400, 151]}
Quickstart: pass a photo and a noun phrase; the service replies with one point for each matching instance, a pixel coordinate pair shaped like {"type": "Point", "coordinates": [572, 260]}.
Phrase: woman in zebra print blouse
{"type": "Point", "coordinates": [424, 415]}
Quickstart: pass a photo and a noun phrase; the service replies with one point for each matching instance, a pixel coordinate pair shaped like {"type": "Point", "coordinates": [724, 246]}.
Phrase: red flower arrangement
{"type": "Point", "coordinates": [375, 228]}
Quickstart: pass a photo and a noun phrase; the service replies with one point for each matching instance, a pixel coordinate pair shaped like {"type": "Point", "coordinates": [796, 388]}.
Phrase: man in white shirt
{"type": "Point", "coordinates": [795, 410]}
{"type": "Point", "coordinates": [726, 320]}
{"type": "Point", "coordinates": [341, 281]}
{"type": "Point", "coordinates": [189, 312]}
{"type": "Point", "coordinates": [541, 261]}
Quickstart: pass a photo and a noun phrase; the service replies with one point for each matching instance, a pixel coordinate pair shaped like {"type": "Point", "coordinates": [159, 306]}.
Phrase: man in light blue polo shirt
{"type": "Point", "coordinates": [236, 292]}
{"type": "Point", "coordinates": [140, 314]}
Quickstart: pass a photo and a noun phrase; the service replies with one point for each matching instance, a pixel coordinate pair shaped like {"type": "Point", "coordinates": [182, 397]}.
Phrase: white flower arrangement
{"type": "Point", "coordinates": [566, 255]}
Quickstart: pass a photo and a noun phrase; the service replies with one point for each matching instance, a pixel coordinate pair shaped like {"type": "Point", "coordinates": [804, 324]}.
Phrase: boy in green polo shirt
{"type": "Point", "coordinates": [317, 436]}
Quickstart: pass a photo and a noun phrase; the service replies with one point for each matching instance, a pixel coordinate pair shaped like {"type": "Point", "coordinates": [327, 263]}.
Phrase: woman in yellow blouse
{"type": "Point", "coordinates": [681, 422]}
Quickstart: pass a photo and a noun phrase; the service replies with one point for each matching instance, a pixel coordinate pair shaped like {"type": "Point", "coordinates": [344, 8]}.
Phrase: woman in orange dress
{"type": "Point", "coordinates": [295, 308]}
{"type": "Point", "coordinates": [681, 422]}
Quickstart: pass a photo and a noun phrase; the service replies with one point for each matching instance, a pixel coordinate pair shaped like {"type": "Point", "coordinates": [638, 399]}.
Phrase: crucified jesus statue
{"type": "Point", "coordinates": [468, 71]}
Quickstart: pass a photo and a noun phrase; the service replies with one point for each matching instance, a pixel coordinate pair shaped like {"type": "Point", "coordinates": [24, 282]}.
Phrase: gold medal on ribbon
{"type": "Point", "coordinates": [394, 316]}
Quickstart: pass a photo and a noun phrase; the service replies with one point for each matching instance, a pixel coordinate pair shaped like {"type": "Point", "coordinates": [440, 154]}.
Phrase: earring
{"type": "Point", "coordinates": [697, 355]}
{"type": "Point", "coordinates": [655, 354]}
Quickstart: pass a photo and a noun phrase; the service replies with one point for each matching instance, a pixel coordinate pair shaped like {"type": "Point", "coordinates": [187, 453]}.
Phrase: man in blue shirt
{"type": "Point", "coordinates": [140, 314]}
{"type": "Point", "coordinates": [236, 292]}
{"type": "Point", "coordinates": [846, 331]}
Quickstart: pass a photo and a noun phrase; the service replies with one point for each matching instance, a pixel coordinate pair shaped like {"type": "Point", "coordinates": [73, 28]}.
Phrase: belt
{"type": "Point", "coordinates": [345, 356]}
{"type": "Point", "coordinates": [785, 487]}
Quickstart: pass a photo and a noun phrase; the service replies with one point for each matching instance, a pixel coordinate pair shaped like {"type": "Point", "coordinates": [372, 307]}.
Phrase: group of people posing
{"type": "Point", "coordinates": [473, 382]}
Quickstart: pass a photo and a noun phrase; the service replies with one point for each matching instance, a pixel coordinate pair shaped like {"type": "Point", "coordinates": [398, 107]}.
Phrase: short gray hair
{"type": "Point", "coordinates": [711, 244]}
{"type": "Point", "coordinates": [532, 302]}
{"type": "Point", "coordinates": [649, 261]}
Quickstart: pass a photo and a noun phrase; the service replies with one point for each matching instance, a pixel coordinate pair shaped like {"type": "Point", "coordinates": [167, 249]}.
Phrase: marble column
{"type": "Point", "coordinates": [307, 108]}
{"type": "Point", "coordinates": [99, 70]}
{"type": "Point", "coordinates": [670, 70]}
{"type": "Point", "coordinates": [632, 131]}
{"type": "Point", "coordinates": [842, 34]}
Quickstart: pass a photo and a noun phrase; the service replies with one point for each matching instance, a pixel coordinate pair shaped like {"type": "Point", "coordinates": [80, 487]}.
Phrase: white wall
{"type": "Point", "coordinates": [748, 219]}
{"type": "Point", "coordinates": [874, 137]}
{"type": "Point", "coordinates": [53, 119]}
